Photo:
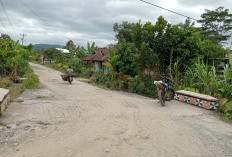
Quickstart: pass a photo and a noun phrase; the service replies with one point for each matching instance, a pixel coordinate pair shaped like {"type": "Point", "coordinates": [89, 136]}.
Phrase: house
{"type": "Point", "coordinates": [96, 59]}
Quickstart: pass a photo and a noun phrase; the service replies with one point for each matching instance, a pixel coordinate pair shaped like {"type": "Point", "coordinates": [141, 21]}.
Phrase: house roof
{"type": "Point", "coordinates": [98, 54]}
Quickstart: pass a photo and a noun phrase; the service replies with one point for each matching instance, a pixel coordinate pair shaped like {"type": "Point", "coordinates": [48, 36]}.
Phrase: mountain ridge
{"type": "Point", "coordinates": [44, 46]}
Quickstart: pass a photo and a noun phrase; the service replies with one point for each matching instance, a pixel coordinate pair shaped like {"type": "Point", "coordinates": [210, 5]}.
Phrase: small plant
{"type": "Point", "coordinates": [41, 97]}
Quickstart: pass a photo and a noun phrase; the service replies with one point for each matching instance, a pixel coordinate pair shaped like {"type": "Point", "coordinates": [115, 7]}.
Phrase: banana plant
{"type": "Point", "coordinates": [111, 62]}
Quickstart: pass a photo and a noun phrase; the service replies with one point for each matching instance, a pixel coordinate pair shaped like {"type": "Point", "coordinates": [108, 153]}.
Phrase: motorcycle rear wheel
{"type": "Point", "coordinates": [70, 80]}
{"type": "Point", "coordinates": [161, 98]}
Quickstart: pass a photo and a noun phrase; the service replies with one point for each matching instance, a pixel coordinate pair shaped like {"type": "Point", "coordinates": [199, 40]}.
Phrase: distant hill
{"type": "Point", "coordinates": [44, 46]}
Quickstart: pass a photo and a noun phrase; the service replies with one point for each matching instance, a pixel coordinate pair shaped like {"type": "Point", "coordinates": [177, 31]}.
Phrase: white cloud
{"type": "Point", "coordinates": [57, 21]}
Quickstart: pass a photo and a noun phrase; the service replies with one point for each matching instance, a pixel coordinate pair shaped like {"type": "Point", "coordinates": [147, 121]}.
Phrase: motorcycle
{"type": "Point", "coordinates": [165, 90]}
{"type": "Point", "coordinates": [67, 77]}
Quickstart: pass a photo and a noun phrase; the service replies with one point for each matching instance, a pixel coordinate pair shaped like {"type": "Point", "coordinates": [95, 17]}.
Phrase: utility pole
{"type": "Point", "coordinates": [22, 37]}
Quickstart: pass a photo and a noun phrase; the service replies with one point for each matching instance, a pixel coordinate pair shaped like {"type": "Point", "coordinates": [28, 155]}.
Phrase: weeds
{"type": "Point", "coordinates": [41, 97]}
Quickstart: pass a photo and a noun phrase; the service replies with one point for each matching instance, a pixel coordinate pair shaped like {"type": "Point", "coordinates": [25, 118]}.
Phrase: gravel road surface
{"type": "Point", "coordinates": [81, 120]}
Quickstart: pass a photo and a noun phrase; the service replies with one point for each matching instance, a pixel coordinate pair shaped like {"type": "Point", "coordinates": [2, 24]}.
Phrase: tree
{"type": "Point", "coordinates": [112, 61]}
{"type": "Point", "coordinates": [54, 54]}
{"type": "Point", "coordinates": [123, 31]}
{"type": "Point", "coordinates": [91, 47]}
{"type": "Point", "coordinates": [14, 58]}
{"type": "Point", "coordinates": [146, 55]}
{"type": "Point", "coordinates": [81, 53]}
{"type": "Point", "coordinates": [71, 47]}
{"type": "Point", "coordinates": [126, 58]}
{"type": "Point", "coordinates": [216, 25]}
{"type": "Point", "coordinates": [188, 23]}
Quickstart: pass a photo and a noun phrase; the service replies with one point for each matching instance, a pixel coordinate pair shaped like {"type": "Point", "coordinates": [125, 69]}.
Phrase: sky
{"type": "Point", "coordinates": [58, 21]}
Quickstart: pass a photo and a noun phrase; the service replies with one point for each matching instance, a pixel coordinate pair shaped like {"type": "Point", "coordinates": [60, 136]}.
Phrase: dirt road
{"type": "Point", "coordinates": [81, 120]}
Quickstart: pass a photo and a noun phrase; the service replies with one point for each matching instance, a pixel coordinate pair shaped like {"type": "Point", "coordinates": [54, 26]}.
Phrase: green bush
{"type": "Point", "coordinates": [133, 83]}
{"type": "Point", "coordinates": [226, 109]}
{"type": "Point", "coordinates": [142, 84]}
{"type": "Point", "coordinates": [31, 81]}
{"type": "Point", "coordinates": [101, 77]}
{"type": "Point", "coordinates": [5, 83]}
{"type": "Point", "coordinates": [86, 72]}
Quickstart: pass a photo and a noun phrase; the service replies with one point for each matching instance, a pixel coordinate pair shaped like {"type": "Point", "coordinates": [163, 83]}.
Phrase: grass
{"type": "Point", "coordinates": [41, 97]}
{"type": "Point", "coordinates": [192, 90]}
{"type": "Point", "coordinates": [15, 91]}
{"type": "Point", "coordinates": [99, 85]}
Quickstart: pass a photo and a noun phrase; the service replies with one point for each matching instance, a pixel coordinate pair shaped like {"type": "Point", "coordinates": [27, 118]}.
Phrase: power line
{"type": "Point", "coordinates": [7, 16]}
{"type": "Point", "coordinates": [168, 10]}
{"type": "Point", "coordinates": [41, 19]}
{"type": "Point", "coordinates": [4, 26]}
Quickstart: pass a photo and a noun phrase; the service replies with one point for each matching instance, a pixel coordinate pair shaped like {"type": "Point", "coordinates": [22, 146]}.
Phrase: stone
{"type": "Point", "coordinates": [19, 99]}
{"type": "Point", "coordinates": [118, 132]}
{"type": "Point", "coordinates": [11, 126]}
{"type": "Point", "coordinates": [145, 137]}
{"type": "Point", "coordinates": [16, 144]}
{"type": "Point", "coordinates": [107, 150]}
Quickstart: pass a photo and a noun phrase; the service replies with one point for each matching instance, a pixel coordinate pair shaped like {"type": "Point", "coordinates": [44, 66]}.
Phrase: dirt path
{"type": "Point", "coordinates": [80, 120]}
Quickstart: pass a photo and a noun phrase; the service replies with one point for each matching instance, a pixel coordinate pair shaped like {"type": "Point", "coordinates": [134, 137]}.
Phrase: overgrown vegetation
{"type": "Point", "coordinates": [14, 63]}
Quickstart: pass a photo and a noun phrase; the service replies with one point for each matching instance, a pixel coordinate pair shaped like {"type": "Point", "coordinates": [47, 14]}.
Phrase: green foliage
{"type": "Point", "coordinates": [112, 61]}
{"type": "Point", "coordinates": [91, 47]}
{"type": "Point", "coordinates": [31, 81]}
{"type": "Point", "coordinates": [54, 54]}
{"type": "Point", "coordinates": [211, 52]}
{"type": "Point", "coordinates": [101, 78]}
{"type": "Point", "coordinates": [226, 109]}
{"type": "Point", "coordinates": [77, 64]}
{"type": "Point", "coordinates": [216, 24]}
{"type": "Point", "coordinates": [123, 31]}
{"type": "Point", "coordinates": [41, 97]}
{"type": "Point", "coordinates": [142, 84]}
{"type": "Point", "coordinates": [86, 72]}
{"type": "Point", "coordinates": [71, 47]}
{"type": "Point", "coordinates": [5, 83]}
{"type": "Point", "coordinates": [14, 58]}
{"type": "Point", "coordinates": [81, 53]}
{"type": "Point", "coordinates": [125, 60]}
{"type": "Point", "coordinates": [187, 24]}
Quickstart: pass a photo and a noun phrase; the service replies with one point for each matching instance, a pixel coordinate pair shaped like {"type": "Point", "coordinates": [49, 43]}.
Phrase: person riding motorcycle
{"type": "Point", "coordinates": [70, 71]}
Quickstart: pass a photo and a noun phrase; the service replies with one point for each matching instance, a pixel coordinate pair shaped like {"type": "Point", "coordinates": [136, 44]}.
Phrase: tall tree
{"type": "Point", "coordinates": [216, 24]}
{"type": "Point", "coordinates": [123, 31]}
{"type": "Point", "coordinates": [188, 23]}
{"type": "Point", "coordinates": [125, 61]}
{"type": "Point", "coordinates": [71, 47]}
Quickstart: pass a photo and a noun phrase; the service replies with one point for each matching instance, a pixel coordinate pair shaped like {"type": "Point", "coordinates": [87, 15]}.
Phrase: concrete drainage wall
{"type": "Point", "coordinates": [200, 100]}
{"type": "Point", "coordinates": [4, 99]}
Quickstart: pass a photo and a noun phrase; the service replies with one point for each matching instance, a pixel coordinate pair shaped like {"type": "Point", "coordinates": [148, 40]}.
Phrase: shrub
{"type": "Point", "coordinates": [228, 110]}
{"type": "Point", "coordinates": [142, 84]}
{"type": "Point", "coordinates": [86, 72]}
{"type": "Point", "coordinates": [133, 83]}
{"type": "Point", "coordinates": [5, 83]}
{"type": "Point", "coordinates": [31, 82]}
